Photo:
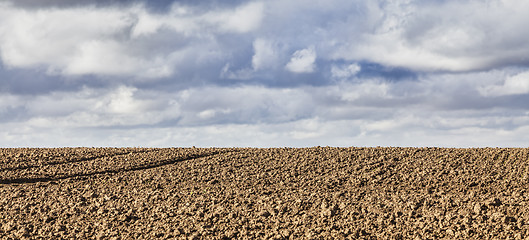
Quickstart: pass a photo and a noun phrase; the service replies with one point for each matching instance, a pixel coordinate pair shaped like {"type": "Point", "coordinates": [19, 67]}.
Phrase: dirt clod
{"type": "Point", "coordinates": [494, 202]}
{"type": "Point", "coordinates": [264, 213]}
{"type": "Point", "coordinates": [477, 208]}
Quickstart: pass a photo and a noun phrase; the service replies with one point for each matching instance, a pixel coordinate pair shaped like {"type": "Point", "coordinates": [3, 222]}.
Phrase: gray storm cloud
{"type": "Point", "coordinates": [264, 73]}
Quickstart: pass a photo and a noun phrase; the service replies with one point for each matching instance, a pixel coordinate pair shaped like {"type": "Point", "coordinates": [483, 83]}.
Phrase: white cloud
{"type": "Point", "coordinates": [344, 71]}
{"type": "Point", "coordinates": [111, 58]}
{"type": "Point", "coordinates": [398, 131]}
{"type": "Point", "coordinates": [516, 84]}
{"type": "Point", "coordinates": [426, 36]}
{"type": "Point", "coordinates": [132, 41]}
{"type": "Point", "coordinates": [442, 36]}
{"type": "Point", "coordinates": [265, 54]}
{"type": "Point", "coordinates": [242, 19]}
{"type": "Point", "coordinates": [266, 57]}
{"type": "Point", "coordinates": [122, 101]}
{"type": "Point", "coordinates": [364, 90]}
{"type": "Point", "coordinates": [371, 113]}
{"type": "Point", "coordinates": [146, 23]}
{"type": "Point", "coordinates": [189, 21]}
{"type": "Point", "coordinates": [117, 41]}
{"type": "Point", "coordinates": [120, 106]}
{"type": "Point", "coordinates": [32, 37]}
{"type": "Point", "coordinates": [207, 114]}
{"type": "Point", "coordinates": [302, 61]}
{"type": "Point", "coordinates": [241, 74]}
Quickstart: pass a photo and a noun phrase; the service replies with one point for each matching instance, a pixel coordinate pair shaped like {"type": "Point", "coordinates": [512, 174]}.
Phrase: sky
{"type": "Point", "coordinates": [275, 73]}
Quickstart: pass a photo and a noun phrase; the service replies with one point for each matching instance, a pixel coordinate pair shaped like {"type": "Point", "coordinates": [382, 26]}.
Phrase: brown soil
{"type": "Point", "coordinates": [281, 193]}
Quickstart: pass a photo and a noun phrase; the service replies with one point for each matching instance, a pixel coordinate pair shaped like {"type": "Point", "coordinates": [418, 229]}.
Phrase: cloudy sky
{"type": "Point", "coordinates": [296, 73]}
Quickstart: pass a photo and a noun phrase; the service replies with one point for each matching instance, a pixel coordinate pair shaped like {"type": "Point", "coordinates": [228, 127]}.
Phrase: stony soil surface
{"type": "Point", "coordinates": [282, 193]}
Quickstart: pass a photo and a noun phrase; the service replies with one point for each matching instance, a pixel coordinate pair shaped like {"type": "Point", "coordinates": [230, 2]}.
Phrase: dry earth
{"type": "Point", "coordinates": [281, 193]}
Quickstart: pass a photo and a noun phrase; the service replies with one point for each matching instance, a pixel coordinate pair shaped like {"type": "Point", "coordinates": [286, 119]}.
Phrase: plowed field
{"type": "Point", "coordinates": [279, 193]}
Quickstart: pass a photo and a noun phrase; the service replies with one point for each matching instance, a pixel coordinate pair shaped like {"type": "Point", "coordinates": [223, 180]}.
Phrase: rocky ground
{"type": "Point", "coordinates": [280, 193]}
